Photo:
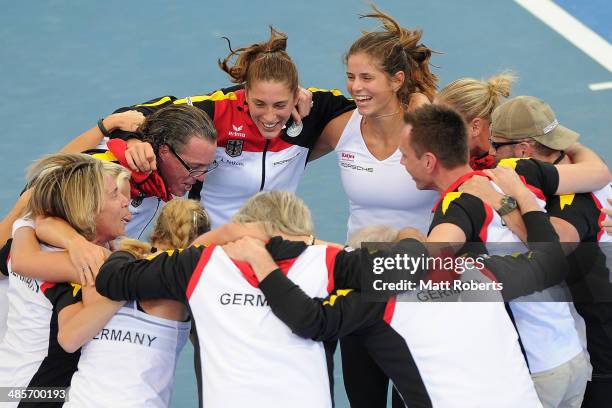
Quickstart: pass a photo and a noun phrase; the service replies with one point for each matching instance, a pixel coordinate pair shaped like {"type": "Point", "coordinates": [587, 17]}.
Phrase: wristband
{"type": "Point", "coordinates": [103, 129]}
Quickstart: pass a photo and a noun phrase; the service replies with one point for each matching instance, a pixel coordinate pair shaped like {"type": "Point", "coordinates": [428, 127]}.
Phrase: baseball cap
{"type": "Point", "coordinates": [529, 117]}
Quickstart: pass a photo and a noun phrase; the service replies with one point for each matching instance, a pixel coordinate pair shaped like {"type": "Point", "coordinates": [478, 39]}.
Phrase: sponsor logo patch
{"type": "Point", "coordinates": [237, 131]}
{"type": "Point", "coordinates": [284, 161]}
{"type": "Point", "coordinates": [356, 167]}
{"type": "Point", "coordinates": [347, 156]}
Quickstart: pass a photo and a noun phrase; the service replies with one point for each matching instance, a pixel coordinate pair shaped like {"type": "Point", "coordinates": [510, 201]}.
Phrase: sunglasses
{"type": "Point", "coordinates": [195, 173]}
{"type": "Point", "coordinates": [497, 145]}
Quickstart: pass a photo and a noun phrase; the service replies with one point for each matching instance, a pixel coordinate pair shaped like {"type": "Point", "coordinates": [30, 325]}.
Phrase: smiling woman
{"type": "Point", "coordinates": [259, 146]}
{"type": "Point", "coordinates": [271, 81]}
{"type": "Point", "coordinates": [85, 193]}
{"type": "Point", "coordinates": [387, 74]}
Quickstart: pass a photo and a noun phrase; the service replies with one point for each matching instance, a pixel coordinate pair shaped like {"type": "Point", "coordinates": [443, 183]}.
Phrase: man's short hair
{"type": "Point", "coordinates": [441, 131]}
{"type": "Point", "coordinates": [174, 125]}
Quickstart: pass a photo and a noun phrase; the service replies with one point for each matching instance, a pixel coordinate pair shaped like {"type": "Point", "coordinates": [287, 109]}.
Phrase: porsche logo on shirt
{"type": "Point", "coordinates": [233, 148]}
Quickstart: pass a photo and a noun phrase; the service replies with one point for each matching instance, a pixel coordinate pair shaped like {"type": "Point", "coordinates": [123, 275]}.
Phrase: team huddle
{"type": "Point", "coordinates": [236, 268]}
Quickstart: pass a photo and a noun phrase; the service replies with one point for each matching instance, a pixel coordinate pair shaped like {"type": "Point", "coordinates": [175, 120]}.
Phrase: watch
{"type": "Point", "coordinates": [508, 204]}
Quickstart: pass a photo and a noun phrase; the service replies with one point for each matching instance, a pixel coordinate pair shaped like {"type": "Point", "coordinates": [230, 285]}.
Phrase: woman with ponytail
{"type": "Point", "coordinates": [388, 74]}
{"type": "Point", "coordinates": [259, 146]}
{"type": "Point", "coordinates": [476, 100]}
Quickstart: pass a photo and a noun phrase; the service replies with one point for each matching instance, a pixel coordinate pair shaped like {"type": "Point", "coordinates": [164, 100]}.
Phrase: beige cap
{"type": "Point", "coordinates": [525, 117]}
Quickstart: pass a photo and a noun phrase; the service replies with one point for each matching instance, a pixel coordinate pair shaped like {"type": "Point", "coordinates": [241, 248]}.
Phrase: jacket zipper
{"type": "Point", "coordinates": [263, 165]}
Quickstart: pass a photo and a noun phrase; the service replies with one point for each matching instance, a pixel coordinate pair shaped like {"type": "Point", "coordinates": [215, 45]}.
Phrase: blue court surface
{"type": "Point", "coordinates": [64, 64]}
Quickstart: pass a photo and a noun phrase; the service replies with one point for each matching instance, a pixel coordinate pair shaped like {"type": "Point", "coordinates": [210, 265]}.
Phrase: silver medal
{"type": "Point", "coordinates": [294, 129]}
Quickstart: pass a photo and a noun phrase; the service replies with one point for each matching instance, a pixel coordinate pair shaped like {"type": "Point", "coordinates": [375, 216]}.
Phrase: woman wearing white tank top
{"type": "Point", "coordinates": [387, 75]}
{"type": "Point", "coordinates": [130, 360]}
{"type": "Point", "coordinates": [79, 144]}
{"type": "Point", "coordinates": [139, 342]}
{"type": "Point", "coordinates": [84, 192]}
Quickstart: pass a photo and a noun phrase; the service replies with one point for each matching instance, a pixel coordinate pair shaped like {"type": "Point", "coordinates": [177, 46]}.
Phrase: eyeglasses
{"type": "Point", "coordinates": [195, 173]}
{"type": "Point", "coordinates": [497, 145]}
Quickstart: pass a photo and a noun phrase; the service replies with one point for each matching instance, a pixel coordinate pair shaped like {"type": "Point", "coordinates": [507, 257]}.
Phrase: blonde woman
{"type": "Point", "coordinates": [248, 356]}
{"type": "Point", "coordinates": [139, 346]}
{"type": "Point", "coordinates": [476, 100]}
{"type": "Point", "coordinates": [81, 143]}
{"type": "Point", "coordinates": [85, 193]}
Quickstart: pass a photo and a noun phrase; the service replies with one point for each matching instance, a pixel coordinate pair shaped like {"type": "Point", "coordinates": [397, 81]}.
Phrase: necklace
{"type": "Point", "coordinates": [387, 114]}
{"type": "Point", "coordinates": [384, 115]}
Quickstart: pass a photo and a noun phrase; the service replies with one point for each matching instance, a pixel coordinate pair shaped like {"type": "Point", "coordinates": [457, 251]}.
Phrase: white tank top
{"type": "Point", "coordinates": [26, 341]}
{"type": "Point", "coordinates": [3, 305]}
{"type": "Point", "coordinates": [379, 192]}
{"type": "Point", "coordinates": [130, 362]}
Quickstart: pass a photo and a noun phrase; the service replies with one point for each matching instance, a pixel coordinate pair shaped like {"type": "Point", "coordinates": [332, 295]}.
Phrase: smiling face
{"type": "Point", "coordinates": [270, 104]}
{"type": "Point", "coordinates": [110, 222]}
{"type": "Point", "coordinates": [373, 90]}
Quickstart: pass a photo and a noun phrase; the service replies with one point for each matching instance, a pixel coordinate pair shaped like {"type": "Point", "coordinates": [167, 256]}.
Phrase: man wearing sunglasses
{"type": "Point", "coordinates": [526, 127]}
{"type": "Point", "coordinates": [183, 139]}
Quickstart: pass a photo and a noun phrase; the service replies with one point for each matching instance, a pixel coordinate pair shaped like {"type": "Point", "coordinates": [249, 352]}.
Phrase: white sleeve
{"type": "Point", "coordinates": [22, 222]}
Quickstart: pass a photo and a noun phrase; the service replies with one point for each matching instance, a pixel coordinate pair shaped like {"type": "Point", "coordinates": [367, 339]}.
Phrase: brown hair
{"type": "Point", "coordinates": [175, 125]}
{"type": "Point", "coordinates": [474, 98]}
{"type": "Point", "coordinates": [440, 130]}
{"type": "Point", "coordinates": [265, 61]}
{"type": "Point", "coordinates": [179, 223]}
{"type": "Point", "coordinates": [398, 49]}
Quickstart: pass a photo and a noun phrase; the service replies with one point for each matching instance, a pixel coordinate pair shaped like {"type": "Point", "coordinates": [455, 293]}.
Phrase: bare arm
{"type": "Point", "coordinates": [447, 233]}
{"type": "Point", "coordinates": [85, 141]}
{"type": "Point", "coordinates": [330, 136]}
{"type": "Point", "coordinates": [587, 173]}
{"type": "Point", "coordinates": [80, 322]}
{"type": "Point", "coordinates": [29, 260]}
{"type": "Point", "coordinates": [481, 187]}
{"type": "Point", "coordinates": [128, 121]}
{"type": "Point", "coordinates": [6, 225]}
{"type": "Point", "coordinates": [86, 257]}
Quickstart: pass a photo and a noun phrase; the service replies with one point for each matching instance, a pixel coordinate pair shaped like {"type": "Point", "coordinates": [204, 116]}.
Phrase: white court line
{"type": "Point", "coordinates": [571, 29]}
{"type": "Point", "coordinates": [600, 86]}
